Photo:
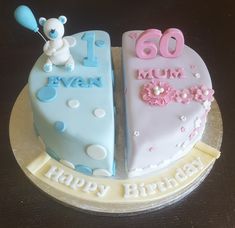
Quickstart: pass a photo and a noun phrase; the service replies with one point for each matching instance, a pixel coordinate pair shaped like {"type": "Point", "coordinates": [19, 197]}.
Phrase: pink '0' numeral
{"type": "Point", "coordinates": [146, 49]}
{"type": "Point", "coordinates": [164, 43]}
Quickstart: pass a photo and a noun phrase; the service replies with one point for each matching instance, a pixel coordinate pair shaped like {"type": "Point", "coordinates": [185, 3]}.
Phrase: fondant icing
{"type": "Point", "coordinates": [165, 111]}
{"type": "Point", "coordinates": [73, 111]}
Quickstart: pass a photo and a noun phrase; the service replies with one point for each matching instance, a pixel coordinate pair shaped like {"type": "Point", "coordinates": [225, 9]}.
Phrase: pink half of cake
{"type": "Point", "coordinates": [167, 101]}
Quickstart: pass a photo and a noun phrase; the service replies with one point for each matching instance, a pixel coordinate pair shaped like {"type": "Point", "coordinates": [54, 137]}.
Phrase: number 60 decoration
{"type": "Point", "coordinates": [147, 49]}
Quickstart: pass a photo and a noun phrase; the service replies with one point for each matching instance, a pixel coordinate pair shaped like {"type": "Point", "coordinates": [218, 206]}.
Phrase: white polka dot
{"type": "Point", "coordinates": [73, 103]}
{"type": "Point", "coordinates": [136, 133]}
{"type": "Point", "coordinates": [96, 152]}
{"type": "Point", "coordinates": [197, 75]}
{"type": "Point", "coordinates": [99, 112]}
{"type": "Point", "coordinates": [101, 172]}
{"type": "Point", "coordinates": [67, 163]}
{"type": "Point", "coordinates": [183, 118]}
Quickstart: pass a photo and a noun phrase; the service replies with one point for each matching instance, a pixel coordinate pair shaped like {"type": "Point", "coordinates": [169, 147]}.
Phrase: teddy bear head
{"type": "Point", "coordinates": [53, 28]}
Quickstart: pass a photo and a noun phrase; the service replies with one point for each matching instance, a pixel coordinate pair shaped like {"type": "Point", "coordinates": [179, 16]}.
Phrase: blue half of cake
{"type": "Point", "coordinates": [73, 112]}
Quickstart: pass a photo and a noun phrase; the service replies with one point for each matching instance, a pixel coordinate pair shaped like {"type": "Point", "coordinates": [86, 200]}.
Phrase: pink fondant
{"type": "Point", "coordinates": [182, 129]}
{"type": "Point", "coordinates": [164, 43]}
{"type": "Point", "coordinates": [148, 94]}
{"type": "Point", "coordinates": [183, 96]}
{"type": "Point", "coordinates": [145, 74]}
{"type": "Point", "coordinates": [202, 93]}
{"type": "Point", "coordinates": [146, 49]}
{"type": "Point", "coordinates": [133, 35]}
{"type": "Point", "coordinates": [160, 73]}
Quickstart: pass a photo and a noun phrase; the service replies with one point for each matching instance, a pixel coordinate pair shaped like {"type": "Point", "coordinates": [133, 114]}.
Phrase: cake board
{"type": "Point", "coordinates": [35, 163]}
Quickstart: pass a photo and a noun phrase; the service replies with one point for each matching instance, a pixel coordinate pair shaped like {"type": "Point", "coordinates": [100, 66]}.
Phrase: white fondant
{"type": "Point", "coordinates": [68, 164]}
{"type": "Point", "coordinates": [96, 152]}
{"type": "Point", "coordinates": [206, 92]}
{"type": "Point", "coordinates": [197, 75]}
{"type": "Point", "coordinates": [183, 118]}
{"type": "Point", "coordinates": [136, 133]}
{"type": "Point", "coordinates": [73, 103]}
{"type": "Point", "coordinates": [197, 122]}
{"type": "Point", "coordinates": [99, 113]}
{"type": "Point", "coordinates": [57, 48]}
{"type": "Point", "coordinates": [102, 190]}
{"type": "Point", "coordinates": [158, 90]}
{"type": "Point", "coordinates": [207, 105]}
{"type": "Point", "coordinates": [101, 172]}
{"type": "Point", "coordinates": [90, 187]}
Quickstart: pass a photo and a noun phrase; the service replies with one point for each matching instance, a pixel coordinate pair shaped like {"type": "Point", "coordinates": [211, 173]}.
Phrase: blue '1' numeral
{"type": "Point", "coordinates": [90, 60]}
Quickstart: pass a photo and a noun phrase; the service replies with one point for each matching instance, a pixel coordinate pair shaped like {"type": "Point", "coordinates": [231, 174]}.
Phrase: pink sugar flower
{"type": "Point", "coordinates": [183, 96]}
{"type": "Point", "coordinates": [201, 93]}
{"type": "Point", "coordinates": [157, 93]}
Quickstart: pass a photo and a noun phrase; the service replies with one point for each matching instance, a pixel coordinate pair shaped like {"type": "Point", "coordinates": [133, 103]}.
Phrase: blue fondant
{"type": "Point", "coordinates": [47, 68]}
{"type": "Point", "coordinates": [25, 17]}
{"type": "Point", "coordinates": [46, 94]}
{"type": "Point", "coordinates": [52, 154]}
{"type": "Point", "coordinates": [79, 82]}
{"type": "Point", "coordinates": [81, 126]}
{"type": "Point", "coordinates": [75, 82]}
{"type": "Point", "coordinates": [59, 126]}
{"type": "Point", "coordinates": [69, 67]}
{"type": "Point", "coordinates": [42, 21]}
{"type": "Point", "coordinates": [53, 81]}
{"type": "Point", "coordinates": [95, 82]}
{"type": "Point", "coordinates": [114, 168]}
{"type": "Point", "coordinates": [67, 81]}
{"type": "Point", "coordinates": [90, 60]}
{"type": "Point", "coordinates": [53, 34]}
{"type": "Point", "coordinates": [113, 77]}
{"type": "Point", "coordinates": [83, 169]}
{"type": "Point", "coordinates": [99, 43]}
{"type": "Point", "coordinates": [62, 19]}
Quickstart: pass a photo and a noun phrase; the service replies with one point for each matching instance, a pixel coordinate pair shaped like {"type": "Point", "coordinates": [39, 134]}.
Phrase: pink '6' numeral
{"type": "Point", "coordinates": [146, 49]}
{"type": "Point", "coordinates": [164, 43]}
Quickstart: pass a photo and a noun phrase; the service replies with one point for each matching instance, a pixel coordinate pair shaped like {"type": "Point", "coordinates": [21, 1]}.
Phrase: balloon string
{"type": "Point", "coordinates": [42, 36]}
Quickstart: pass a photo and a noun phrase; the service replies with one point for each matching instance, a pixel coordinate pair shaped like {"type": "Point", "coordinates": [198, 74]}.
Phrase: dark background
{"type": "Point", "coordinates": [208, 27]}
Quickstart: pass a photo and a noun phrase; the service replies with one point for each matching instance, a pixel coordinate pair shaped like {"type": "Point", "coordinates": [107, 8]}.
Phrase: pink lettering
{"type": "Point", "coordinates": [157, 73]}
{"type": "Point", "coordinates": [141, 74]}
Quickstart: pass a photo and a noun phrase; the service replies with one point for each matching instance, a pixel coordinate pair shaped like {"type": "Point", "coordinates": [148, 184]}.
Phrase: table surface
{"type": "Point", "coordinates": [208, 27]}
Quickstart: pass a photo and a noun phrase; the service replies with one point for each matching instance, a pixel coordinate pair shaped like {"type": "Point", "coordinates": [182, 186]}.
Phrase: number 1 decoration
{"type": "Point", "coordinates": [90, 60]}
{"type": "Point", "coordinates": [146, 48]}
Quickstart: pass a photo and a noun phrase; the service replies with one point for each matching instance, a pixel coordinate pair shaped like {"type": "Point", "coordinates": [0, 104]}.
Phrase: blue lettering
{"type": "Point", "coordinates": [67, 81]}
{"type": "Point", "coordinates": [75, 82]}
{"type": "Point", "coordinates": [53, 81]}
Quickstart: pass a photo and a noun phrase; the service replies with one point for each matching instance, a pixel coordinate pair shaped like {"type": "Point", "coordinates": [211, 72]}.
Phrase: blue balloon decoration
{"type": "Point", "coordinates": [25, 17]}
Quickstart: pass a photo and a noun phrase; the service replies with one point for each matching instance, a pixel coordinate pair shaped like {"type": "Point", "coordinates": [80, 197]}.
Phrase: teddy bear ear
{"type": "Point", "coordinates": [42, 21]}
{"type": "Point", "coordinates": [62, 19]}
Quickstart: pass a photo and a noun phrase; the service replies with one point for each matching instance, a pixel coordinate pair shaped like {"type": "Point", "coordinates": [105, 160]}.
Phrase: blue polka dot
{"type": "Point", "coordinates": [99, 43]}
{"type": "Point", "coordinates": [83, 169]}
{"type": "Point", "coordinates": [59, 126]}
{"type": "Point", "coordinates": [52, 154]}
{"type": "Point", "coordinates": [46, 94]}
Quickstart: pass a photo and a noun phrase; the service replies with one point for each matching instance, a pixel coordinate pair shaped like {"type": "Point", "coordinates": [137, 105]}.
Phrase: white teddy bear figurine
{"type": "Point", "coordinates": [57, 48]}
